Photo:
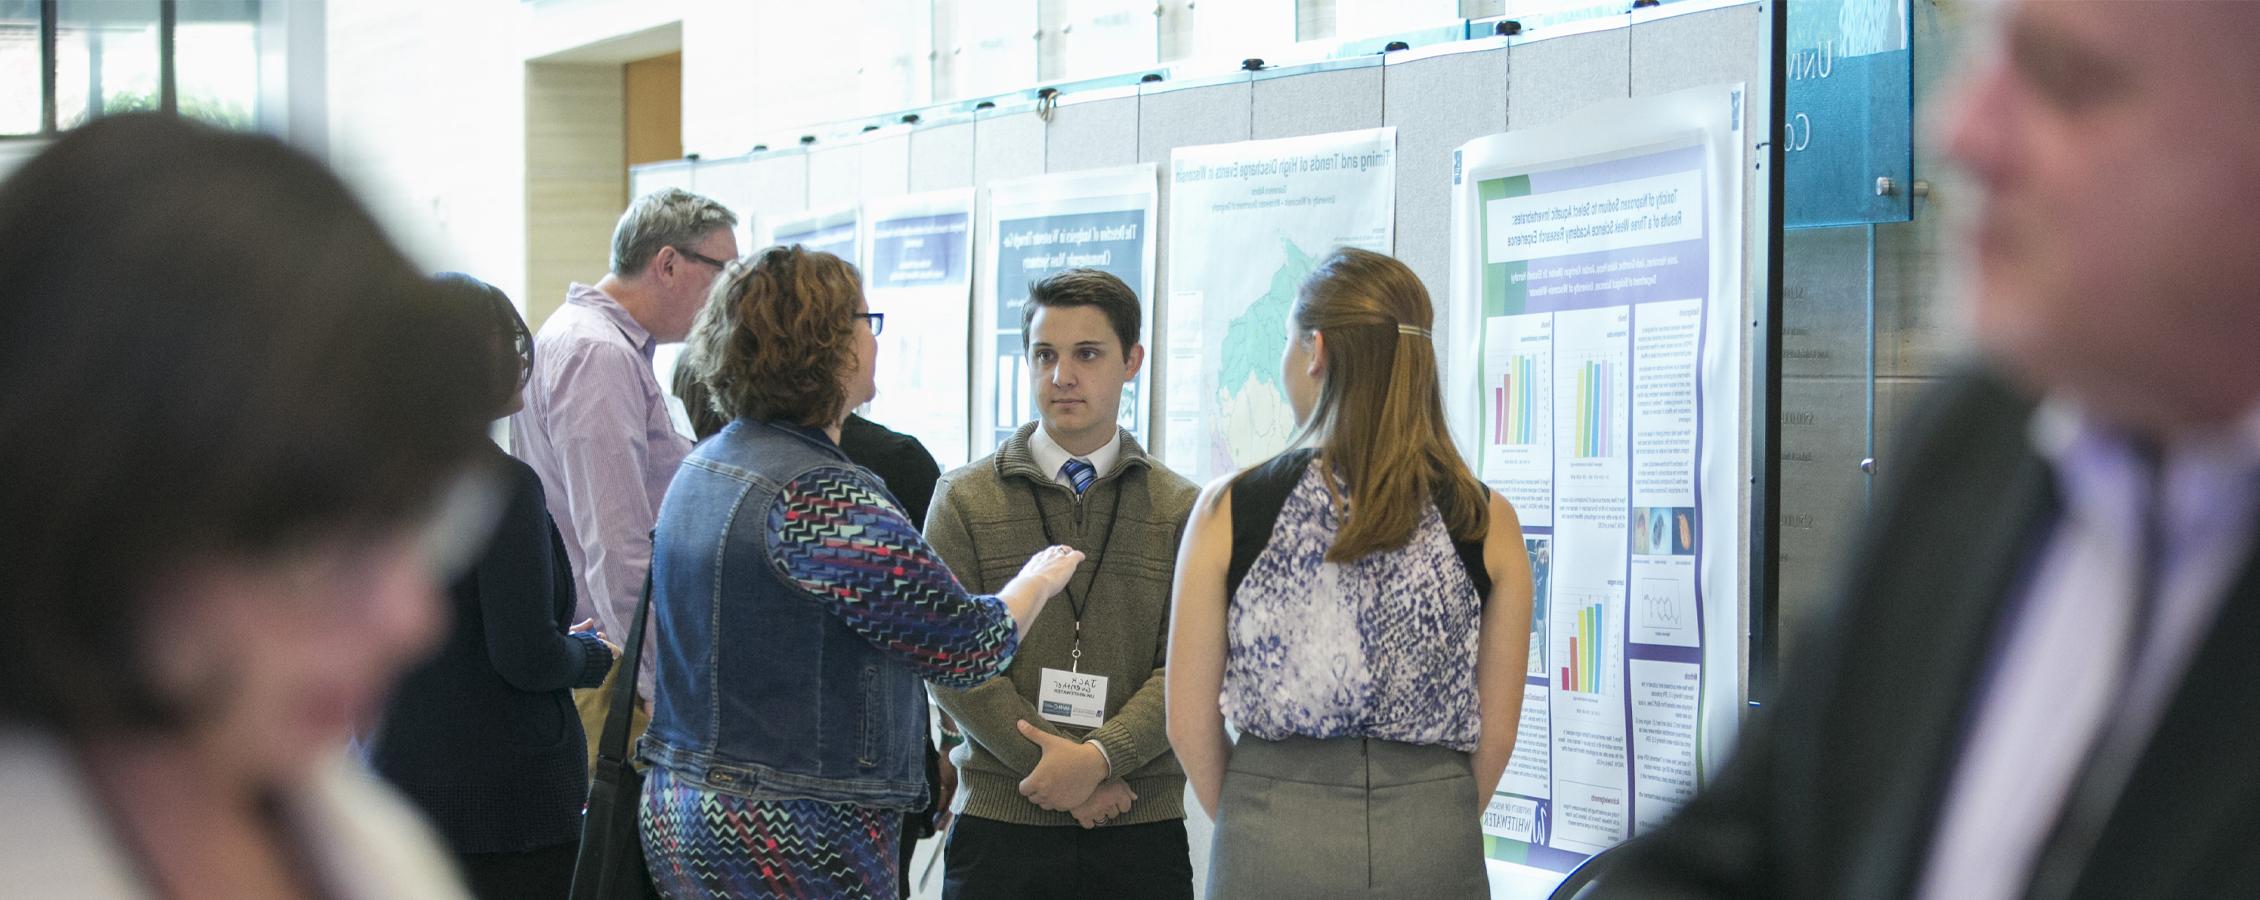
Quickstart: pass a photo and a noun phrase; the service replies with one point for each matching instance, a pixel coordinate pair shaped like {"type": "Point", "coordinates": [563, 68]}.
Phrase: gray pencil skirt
{"type": "Point", "coordinates": [1348, 817]}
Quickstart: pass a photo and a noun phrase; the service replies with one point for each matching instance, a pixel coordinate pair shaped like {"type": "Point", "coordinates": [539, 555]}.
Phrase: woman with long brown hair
{"type": "Point", "coordinates": [1356, 606]}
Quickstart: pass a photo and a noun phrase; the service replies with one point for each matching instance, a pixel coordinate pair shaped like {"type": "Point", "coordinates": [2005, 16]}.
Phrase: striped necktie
{"type": "Point", "coordinates": [1079, 473]}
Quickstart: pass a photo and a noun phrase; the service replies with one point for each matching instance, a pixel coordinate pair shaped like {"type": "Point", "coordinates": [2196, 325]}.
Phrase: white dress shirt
{"type": "Point", "coordinates": [1050, 455]}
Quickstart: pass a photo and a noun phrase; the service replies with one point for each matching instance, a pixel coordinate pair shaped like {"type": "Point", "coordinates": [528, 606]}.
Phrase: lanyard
{"type": "Point", "coordinates": [1077, 604]}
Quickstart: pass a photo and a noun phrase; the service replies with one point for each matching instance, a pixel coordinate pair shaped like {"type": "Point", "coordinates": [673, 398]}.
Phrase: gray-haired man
{"type": "Point", "coordinates": [595, 423]}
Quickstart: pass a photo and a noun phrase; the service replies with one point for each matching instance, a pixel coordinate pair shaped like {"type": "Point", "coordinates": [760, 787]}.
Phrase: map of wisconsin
{"type": "Point", "coordinates": [1256, 420]}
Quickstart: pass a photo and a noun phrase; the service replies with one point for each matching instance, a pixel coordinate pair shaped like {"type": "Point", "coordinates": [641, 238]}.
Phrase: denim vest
{"type": "Point", "coordinates": [762, 692]}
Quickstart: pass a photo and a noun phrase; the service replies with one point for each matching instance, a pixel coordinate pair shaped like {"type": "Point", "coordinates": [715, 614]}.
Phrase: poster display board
{"type": "Point", "coordinates": [1033, 227]}
{"type": "Point", "coordinates": [1597, 285]}
{"type": "Point", "coordinates": [1248, 221]}
{"type": "Point", "coordinates": [919, 274]}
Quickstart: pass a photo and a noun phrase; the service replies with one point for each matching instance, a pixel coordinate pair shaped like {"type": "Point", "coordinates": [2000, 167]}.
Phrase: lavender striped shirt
{"type": "Point", "coordinates": [596, 429]}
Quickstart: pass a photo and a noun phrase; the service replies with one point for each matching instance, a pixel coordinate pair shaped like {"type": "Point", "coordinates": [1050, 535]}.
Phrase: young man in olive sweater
{"type": "Point", "coordinates": [1066, 786]}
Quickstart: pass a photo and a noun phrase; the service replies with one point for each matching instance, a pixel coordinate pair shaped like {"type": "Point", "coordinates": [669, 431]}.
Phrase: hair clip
{"type": "Point", "coordinates": [1416, 331]}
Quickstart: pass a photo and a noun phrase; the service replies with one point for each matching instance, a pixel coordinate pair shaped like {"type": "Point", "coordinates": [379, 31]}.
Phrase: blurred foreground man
{"type": "Point", "coordinates": [2038, 683]}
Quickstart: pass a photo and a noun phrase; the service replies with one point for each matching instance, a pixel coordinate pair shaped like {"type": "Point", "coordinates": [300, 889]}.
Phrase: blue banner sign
{"type": "Point", "coordinates": [1850, 106]}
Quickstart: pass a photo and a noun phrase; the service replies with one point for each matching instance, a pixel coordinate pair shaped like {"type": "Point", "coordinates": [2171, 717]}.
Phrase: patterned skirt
{"type": "Point", "coordinates": [699, 843]}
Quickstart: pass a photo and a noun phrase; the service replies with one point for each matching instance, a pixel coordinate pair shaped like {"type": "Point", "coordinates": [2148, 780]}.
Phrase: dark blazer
{"type": "Point", "coordinates": [898, 459]}
{"type": "Point", "coordinates": [483, 736]}
{"type": "Point", "coordinates": [1836, 791]}
{"type": "Point", "coordinates": [910, 473]}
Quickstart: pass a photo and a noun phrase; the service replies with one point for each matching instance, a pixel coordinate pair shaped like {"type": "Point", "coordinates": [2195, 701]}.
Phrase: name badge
{"type": "Point", "coordinates": [1072, 698]}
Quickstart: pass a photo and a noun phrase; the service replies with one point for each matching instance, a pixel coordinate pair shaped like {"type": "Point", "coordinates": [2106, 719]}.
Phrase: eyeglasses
{"type": "Point", "coordinates": [522, 343]}
{"type": "Point", "coordinates": [878, 321]}
{"type": "Point", "coordinates": [701, 257]}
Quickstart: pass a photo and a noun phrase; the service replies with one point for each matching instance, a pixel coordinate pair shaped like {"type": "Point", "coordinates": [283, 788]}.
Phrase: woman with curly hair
{"type": "Point", "coordinates": [796, 610]}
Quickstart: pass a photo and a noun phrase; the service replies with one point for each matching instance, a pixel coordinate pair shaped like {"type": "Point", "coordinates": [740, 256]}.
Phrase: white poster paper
{"type": "Point", "coordinates": [833, 231]}
{"type": "Point", "coordinates": [1033, 227]}
{"type": "Point", "coordinates": [1248, 221]}
{"type": "Point", "coordinates": [1597, 283]}
{"type": "Point", "coordinates": [918, 272]}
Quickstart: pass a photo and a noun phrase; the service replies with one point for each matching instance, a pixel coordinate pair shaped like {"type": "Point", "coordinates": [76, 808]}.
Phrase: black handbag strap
{"type": "Point", "coordinates": [612, 750]}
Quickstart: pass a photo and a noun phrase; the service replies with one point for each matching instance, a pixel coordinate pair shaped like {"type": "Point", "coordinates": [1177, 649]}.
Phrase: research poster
{"type": "Point", "coordinates": [919, 274]}
{"type": "Point", "coordinates": [1597, 290]}
{"type": "Point", "coordinates": [1033, 227]}
{"type": "Point", "coordinates": [1248, 222]}
{"type": "Point", "coordinates": [830, 231]}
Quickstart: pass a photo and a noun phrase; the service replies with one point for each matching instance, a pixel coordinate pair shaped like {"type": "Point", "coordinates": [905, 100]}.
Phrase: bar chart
{"type": "Point", "coordinates": [1587, 659]}
{"type": "Point", "coordinates": [1597, 435]}
{"type": "Point", "coordinates": [1514, 410]}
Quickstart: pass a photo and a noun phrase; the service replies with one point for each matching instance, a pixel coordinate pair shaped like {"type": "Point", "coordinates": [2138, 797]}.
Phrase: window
{"type": "Point", "coordinates": [216, 61]}
{"type": "Point", "coordinates": [106, 59]}
{"type": "Point", "coordinates": [20, 67]}
{"type": "Point", "coordinates": [64, 63]}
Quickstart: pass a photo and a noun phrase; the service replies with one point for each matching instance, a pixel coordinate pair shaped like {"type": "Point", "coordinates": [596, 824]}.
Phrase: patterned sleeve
{"type": "Point", "coordinates": [846, 544]}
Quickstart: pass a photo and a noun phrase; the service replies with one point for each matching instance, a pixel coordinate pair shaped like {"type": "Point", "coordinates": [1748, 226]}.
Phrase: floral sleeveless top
{"type": "Point", "coordinates": [1382, 647]}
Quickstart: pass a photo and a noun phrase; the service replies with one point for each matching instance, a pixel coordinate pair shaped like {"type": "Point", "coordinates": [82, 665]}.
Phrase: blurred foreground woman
{"type": "Point", "coordinates": [236, 431]}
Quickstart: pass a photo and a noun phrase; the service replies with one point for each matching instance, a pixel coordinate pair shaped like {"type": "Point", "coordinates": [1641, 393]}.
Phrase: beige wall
{"type": "Point", "coordinates": [576, 176]}
{"type": "Point", "coordinates": [654, 108]}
